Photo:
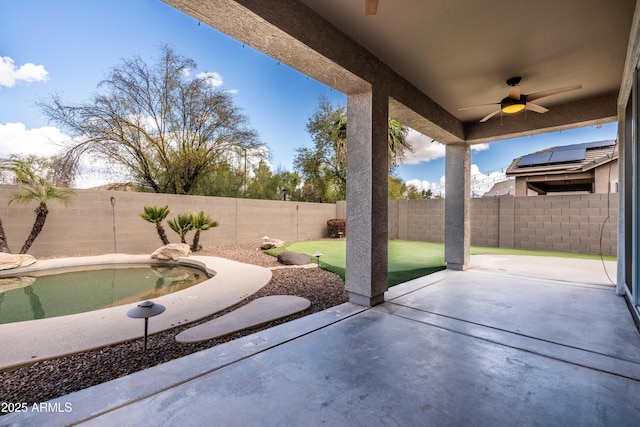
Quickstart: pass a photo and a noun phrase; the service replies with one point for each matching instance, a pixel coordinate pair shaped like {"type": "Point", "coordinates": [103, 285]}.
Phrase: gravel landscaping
{"type": "Point", "coordinates": [49, 379]}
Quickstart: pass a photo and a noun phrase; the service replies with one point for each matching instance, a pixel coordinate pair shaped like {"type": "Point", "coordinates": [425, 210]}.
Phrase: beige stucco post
{"type": "Point", "coordinates": [457, 234]}
{"type": "Point", "coordinates": [367, 205]}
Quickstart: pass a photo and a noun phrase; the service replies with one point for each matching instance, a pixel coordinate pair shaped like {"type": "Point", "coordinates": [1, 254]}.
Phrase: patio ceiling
{"type": "Point", "coordinates": [453, 54]}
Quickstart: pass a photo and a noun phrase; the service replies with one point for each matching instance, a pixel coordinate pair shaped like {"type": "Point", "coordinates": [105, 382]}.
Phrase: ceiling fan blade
{"type": "Point", "coordinates": [535, 107]}
{"type": "Point", "coordinates": [477, 106]}
{"type": "Point", "coordinates": [488, 116]}
{"type": "Point", "coordinates": [538, 95]}
{"type": "Point", "coordinates": [370, 7]}
{"type": "Point", "coordinates": [514, 92]}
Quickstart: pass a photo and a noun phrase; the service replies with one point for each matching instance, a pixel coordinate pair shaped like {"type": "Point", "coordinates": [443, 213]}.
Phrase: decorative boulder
{"type": "Point", "coordinates": [272, 243]}
{"type": "Point", "coordinates": [8, 261]}
{"type": "Point", "coordinates": [171, 251]}
{"type": "Point", "coordinates": [293, 258]}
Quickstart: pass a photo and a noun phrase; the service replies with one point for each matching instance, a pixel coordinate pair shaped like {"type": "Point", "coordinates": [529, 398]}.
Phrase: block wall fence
{"type": "Point", "coordinates": [86, 226]}
{"type": "Point", "coordinates": [565, 223]}
{"type": "Point", "coordinates": [91, 225]}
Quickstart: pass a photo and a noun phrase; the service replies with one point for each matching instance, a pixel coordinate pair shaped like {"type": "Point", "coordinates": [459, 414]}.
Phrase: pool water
{"type": "Point", "coordinates": [60, 294]}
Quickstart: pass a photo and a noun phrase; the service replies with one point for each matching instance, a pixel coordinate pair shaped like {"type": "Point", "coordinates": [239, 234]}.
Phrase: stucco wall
{"type": "Point", "coordinates": [86, 226]}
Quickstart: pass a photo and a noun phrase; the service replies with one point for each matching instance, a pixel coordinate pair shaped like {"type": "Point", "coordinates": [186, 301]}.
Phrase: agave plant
{"type": "Point", "coordinates": [181, 224]}
{"type": "Point", "coordinates": [156, 215]}
{"type": "Point", "coordinates": [200, 222]}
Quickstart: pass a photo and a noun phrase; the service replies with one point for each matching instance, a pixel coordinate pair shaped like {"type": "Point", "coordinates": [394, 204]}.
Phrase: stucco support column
{"type": "Point", "coordinates": [457, 234]}
{"type": "Point", "coordinates": [367, 205]}
{"type": "Point", "coordinates": [624, 195]}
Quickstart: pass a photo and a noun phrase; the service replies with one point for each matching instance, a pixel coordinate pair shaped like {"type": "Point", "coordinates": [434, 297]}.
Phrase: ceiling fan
{"type": "Point", "coordinates": [515, 101]}
{"type": "Point", "coordinates": [370, 7]}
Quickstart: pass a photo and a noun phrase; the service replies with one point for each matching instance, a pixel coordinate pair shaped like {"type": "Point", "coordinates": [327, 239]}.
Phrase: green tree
{"type": "Point", "coordinates": [223, 181]}
{"type": "Point", "coordinates": [166, 129]}
{"type": "Point", "coordinates": [397, 189]}
{"type": "Point", "coordinates": [155, 216]}
{"type": "Point", "coordinates": [181, 224]}
{"type": "Point", "coordinates": [200, 222]}
{"type": "Point", "coordinates": [413, 193]}
{"type": "Point", "coordinates": [261, 185]}
{"type": "Point", "coordinates": [4, 247]}
{"type": "Point", "coordinates": [398, 144]}
{"type": "Point", "coordinates": [323, 167]}
{"type": "Point", "coordinates": [290, 181]}
{"type": "Point", "coordinates": [34, 187]}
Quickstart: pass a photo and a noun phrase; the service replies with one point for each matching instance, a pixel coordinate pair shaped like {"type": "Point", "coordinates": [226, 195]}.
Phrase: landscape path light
{"type": "Point", "coordinates": [318, 254]}
{"type": "Point", "coordinates": [144, 310]}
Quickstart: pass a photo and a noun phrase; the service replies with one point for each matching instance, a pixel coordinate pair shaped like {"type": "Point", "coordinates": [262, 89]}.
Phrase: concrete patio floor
{"type": "Point", "coordinates": [480, 347]}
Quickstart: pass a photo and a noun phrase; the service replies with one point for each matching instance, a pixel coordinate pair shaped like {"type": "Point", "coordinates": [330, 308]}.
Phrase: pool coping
{"type": "Point", "coordinates": [34, 340]}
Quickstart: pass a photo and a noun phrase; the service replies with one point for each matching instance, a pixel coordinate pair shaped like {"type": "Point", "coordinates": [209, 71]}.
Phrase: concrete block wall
{"type": "Point", "coordinates": [506, 222]}
{"type": "Point", "coordinates": [485, 221]}
{"type": "Point", "coordinates": [420, 220]}
{"type": "Point", "coordinates": [568, 223]}
{"type": "Point", "coordinates": [86, 226]}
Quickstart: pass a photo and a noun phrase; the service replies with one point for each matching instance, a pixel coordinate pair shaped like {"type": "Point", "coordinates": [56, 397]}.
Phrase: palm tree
{"type": "Point", "coordinates": [156, 215]}
{"type": "Point", "coordinates": [34, 187]}
{"type": "Point", "coordinates": [398, 143]}
{"type": "Point", "coordinates": [200, 222]}
{"type": "Point", "coordinates": [4, 247]}
{"type": "Point", "coordinates": [181, 224]}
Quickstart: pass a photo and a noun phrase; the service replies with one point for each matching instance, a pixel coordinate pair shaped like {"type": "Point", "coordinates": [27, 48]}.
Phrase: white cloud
{"type": "Point", "coordinates": [437, 188]}
{"type": "Point", "coordinates": [15, 138]}
{"type": "Point", "coordinates": [426, 149]}
{"type": "Point", "coordinates": [46, 141]}
{"type": "Point", "coordinates": [480, 147]}
{"type": "Point", "coordinates": [232, 91]}
{"type": "Point", "coordinates": [94, 173]}
{"type": "Point", "coordinates": [212, 78]}
{"type": "Point", "coordinates": [10, 75]}
{"type": "Point", "coordinates": [480, 182]}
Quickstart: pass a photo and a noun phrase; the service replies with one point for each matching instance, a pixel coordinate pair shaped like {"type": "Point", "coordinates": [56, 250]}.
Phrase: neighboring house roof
{"type": "Point", "coordinates": [565, 159]}
{"type": "Point", "coordinates": [502, 188]}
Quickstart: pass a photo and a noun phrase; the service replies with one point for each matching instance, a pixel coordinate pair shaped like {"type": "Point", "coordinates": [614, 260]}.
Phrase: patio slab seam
{"type": "Point", "coordinates": [554, 281]}
{"type": "Point", "coordinates": [585, 358]}
{"type": "Point", "coordinates": [418, 284]}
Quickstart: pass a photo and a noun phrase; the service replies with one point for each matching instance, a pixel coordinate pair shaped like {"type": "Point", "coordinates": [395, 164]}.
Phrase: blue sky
{"type": "Point", "coordinates": [68, 46]}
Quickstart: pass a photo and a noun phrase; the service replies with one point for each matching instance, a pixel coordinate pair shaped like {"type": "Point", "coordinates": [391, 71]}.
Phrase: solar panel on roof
{"type": "Point", "coordinates": [586, 145]}
{"type": "Point", "coordinates": [599, 144]}
{"type": "Point", "coordinates": [562, 156]}
{"type": "Point", "coordinates": [535, 159]}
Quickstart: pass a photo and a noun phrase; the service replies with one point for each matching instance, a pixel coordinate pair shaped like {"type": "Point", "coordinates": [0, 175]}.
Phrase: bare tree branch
{"type": "Point", "coordinates": [164, 127]}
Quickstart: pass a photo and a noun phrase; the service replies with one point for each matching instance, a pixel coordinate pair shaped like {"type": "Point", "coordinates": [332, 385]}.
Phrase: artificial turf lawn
{"type": "Point", "coordinates": [407, 259]}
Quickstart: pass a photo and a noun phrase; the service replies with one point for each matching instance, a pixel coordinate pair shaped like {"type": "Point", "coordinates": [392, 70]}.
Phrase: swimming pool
{"type": "Point", "coordinates": [61, 292]}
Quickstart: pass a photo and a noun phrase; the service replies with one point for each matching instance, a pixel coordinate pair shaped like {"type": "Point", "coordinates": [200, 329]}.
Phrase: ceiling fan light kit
{"type": "Point", "coordinates": [515, 102]}
{"type": "Point", "coordinates": [510, 105]}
